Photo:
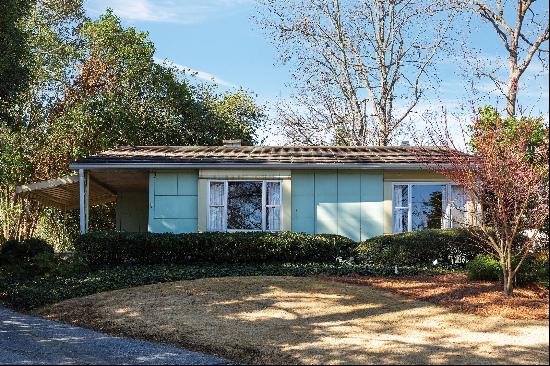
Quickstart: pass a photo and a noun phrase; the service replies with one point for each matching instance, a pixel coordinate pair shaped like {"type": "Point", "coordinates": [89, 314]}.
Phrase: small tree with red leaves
{"type": "Point", "coordinates": [506, 177]}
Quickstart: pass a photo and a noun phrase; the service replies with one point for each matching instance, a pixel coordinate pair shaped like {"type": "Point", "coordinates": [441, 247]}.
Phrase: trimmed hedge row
{"type": "Point", "coordinates": [447, 246]}
{"type": "Point", "coordinates": [23, 251]}
{"type": "Point", "coordinates": [115, 248]}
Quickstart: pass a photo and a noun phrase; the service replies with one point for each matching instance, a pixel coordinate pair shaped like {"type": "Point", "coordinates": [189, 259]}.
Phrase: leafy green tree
{"type": "Point", "coordinates": [94, 85]}
{"type": "Point", "coordinates": [14, 52]}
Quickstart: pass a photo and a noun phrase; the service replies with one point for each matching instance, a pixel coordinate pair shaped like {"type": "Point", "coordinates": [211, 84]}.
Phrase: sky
{"type": "Point", "coordinates": [222, 44]}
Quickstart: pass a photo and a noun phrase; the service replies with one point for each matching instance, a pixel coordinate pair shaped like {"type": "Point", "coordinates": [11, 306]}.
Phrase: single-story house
{"type": "Point", "coordinates": [358, 192]}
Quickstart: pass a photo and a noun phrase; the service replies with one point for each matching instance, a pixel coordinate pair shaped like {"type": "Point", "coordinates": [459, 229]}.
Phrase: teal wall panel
{"type": "Point", "coordinates": [173, 201]}
{"type": "Point", "coordinates": [348, 203]}
{"type": "Point", "coordinates": [326, 202]}
{"type": "Point", "coordinates": [372, 204]}
{"type": "Point", "coordinates": [303, 201]}
{"type": "Point", "coordinates": [175, 207]}
{"type": "Point", "coordinates": [166, 184]}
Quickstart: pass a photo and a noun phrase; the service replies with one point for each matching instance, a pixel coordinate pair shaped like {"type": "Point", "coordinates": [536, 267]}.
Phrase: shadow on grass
{"type": "Point", "coordinates": [304, 320]}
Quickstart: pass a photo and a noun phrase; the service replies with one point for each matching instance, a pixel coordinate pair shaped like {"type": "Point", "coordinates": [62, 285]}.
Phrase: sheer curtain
{"type": "Point", "coordinates": [217, 203]}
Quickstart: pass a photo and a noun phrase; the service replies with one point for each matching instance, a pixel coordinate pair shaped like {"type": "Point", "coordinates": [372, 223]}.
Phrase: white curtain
{"type": "Point", "coordinates": [273, 206]}
{"type": "Point", "coordinates": [216, 206]}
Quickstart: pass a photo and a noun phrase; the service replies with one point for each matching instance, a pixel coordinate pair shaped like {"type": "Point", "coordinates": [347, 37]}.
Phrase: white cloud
{"type": "Point", "coordinates": [203, 75]}
{"type": "Point", "coordinates": [169, 11]}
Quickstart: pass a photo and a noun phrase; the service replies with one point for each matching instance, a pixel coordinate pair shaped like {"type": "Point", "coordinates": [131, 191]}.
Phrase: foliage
{"type": "Point", "coordinates": [94, 85]}
{"type": "Point", "coordinates": [506, 178]}
{"type": "Point", "coordinates": [484, 268]}
{"type": "Point", "coordinates": [446, 246]}
{"type": "Point", "coordinates": [487, 268]}
{"type": "Point", "coordinates": [112, 248]}
{"type": "Point", "coordinates": [27, 258]}
{"type": "Point", "coordinates": [14, 72]}
{"type": "Point", "coordinates": [27, 294]}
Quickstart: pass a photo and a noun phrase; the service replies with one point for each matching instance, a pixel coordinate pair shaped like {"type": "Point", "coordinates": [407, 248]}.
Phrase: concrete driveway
{"type": "Point", "coordinates": [27, 339]}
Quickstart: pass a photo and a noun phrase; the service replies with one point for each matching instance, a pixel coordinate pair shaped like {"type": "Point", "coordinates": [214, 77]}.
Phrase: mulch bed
{"type": "Point", "coordinates": [456, 292]}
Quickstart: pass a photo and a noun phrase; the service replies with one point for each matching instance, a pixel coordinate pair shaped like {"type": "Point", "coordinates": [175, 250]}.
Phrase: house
{"type": "Point", "coordinates": [358, 192]}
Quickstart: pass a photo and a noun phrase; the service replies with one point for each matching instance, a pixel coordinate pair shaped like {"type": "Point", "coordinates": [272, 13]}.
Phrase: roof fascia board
{"type": "Point", "coordinates": [75, 166]}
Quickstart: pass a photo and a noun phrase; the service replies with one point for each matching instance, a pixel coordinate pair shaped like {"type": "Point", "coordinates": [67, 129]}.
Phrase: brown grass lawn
{"type": "Point", "coordinates": [457, 293]}
{"type": "Point", "coordinates": [264, 320]}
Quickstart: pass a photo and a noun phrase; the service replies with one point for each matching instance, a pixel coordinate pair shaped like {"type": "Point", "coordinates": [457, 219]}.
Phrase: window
{"type": "Point", "coordinates": [244, 206]}
{"type": "Point", "coordinates": [419, 206]}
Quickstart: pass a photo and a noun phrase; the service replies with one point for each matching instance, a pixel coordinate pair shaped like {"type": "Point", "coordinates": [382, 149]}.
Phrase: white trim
{"type": "Point", "coordinates": [225, 199]}
{"type": "Point", "coordinates": [223, 165]}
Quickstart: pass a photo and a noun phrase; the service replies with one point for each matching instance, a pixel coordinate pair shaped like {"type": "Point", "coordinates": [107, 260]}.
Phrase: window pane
{"type": "Point", "coordinates": [273, 193]}
{"type": "Point", "coordinates": [427, 206]}
{"type": "Point", "coordinates": [216, 219]}
{"type": "Point", "coordinates": [400, 196]}
{"type": "Point", "coordinates": [273, 219]}
{"type": "Point", "coordinates": [244, 206]}
{"type": "Point", "coordinates": [400, 220]}
{"type": "Point", "coordinates": [216, 193]}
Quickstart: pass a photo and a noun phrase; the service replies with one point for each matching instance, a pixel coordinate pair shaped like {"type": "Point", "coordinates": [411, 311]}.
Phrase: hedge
{"type": "Point", "coordinates": [115, 248]}
{"type": "Point", "coordinates": [23, 251]}
{"type": "Point", "coordinates": [419, 248]}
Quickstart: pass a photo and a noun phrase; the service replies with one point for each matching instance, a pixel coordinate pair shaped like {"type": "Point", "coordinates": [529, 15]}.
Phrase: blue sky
{"type": "Point", "coordinates": [219, 40]}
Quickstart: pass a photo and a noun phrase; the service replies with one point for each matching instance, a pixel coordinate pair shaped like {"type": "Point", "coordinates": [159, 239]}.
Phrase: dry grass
{"type": "Point", "coordinates": [264, 320]}
{"type": "Point", "coordinates": [456, 292]}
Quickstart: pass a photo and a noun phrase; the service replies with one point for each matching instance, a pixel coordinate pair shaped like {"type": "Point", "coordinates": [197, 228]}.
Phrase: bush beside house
{"type": "Point", "coordinates": [116, 248]}
{"type": "Point", "coordinates": [446, 247]}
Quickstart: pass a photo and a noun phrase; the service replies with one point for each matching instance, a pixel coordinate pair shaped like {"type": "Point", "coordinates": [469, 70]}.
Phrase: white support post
{"type": "Point", "coordinates": [84, 185]}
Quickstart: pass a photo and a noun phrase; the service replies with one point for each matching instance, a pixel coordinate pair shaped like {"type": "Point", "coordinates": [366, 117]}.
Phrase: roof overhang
{"type": "Point", "coordinates": [224, 165]}
{"type": "Point", "coordinates": [63, 193]}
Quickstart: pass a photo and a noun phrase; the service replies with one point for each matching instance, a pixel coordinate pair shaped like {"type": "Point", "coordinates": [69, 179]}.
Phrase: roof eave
{"type": "Point", "coordinates": [150, 165]}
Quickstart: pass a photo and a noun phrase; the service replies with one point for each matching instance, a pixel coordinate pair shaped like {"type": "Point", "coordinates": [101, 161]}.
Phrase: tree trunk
{"type": "Point", "coordinates": [509, 284]}
{"type": "Point", "coordinates": [512, 96]}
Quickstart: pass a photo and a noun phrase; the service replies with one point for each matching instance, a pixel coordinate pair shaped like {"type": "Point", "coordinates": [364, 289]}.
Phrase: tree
{"type": "Point", "coordinates": [360, 67]}
{"type": "Point", "coordinates": [506, 175]}
{"type": "Point", "coordinates": [522, 30]}
{"type": "Point", "coordinates": [14, 53]}
{"type": "Point", "coordinates": [94, 85]}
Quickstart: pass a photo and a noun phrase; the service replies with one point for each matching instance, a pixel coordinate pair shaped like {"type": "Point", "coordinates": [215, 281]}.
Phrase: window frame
{"type": "Point", "coordinates": [446, 209]}
{"type": "Point", "coordinates": [264, 204]}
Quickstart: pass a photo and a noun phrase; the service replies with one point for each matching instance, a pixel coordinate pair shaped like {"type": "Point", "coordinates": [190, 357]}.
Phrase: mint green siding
{"type": "Point", "coordinates": [173, 201]}
{"type": "Point", "coordinates": [348, 203]}
{"type": "Point", "coordinates": [131, 211]}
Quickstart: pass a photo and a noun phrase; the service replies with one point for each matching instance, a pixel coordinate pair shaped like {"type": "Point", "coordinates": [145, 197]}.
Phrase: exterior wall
{"type": "Point", "coordinates": [354, 203]}
{"type": "Point", "coordinates": [173, 200]}
{"type": "Point", "coordinates": [250, 174]}
{"type": "Point", "coordinates": [131, 211]}
{"type": "Point", "coordinates": [341, 202]}
{"type": "Point", "coordinates": [404, 176]}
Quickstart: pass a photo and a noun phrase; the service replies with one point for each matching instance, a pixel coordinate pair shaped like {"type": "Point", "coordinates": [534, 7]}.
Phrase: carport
{"type": "Point", "coordinates": [87, 188]}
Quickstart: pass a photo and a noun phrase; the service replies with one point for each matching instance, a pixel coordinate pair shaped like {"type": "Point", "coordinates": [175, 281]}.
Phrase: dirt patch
{"type": "Point", "coordinates": [263, 320]}
{"type": "Point", "coordinates": [456, 292]}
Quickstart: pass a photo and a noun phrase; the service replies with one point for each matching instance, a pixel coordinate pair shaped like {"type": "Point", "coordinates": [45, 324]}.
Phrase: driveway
{"type": "Point", "coordinates": [26, 339]}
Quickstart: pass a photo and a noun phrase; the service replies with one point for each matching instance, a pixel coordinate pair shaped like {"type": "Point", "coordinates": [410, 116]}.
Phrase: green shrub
{"type": "Point", "coordinates": [114, 248]}
{"type": "Point", "coordinates": [18, 252]}
{"type": "Point", "coordinates": [32, 293]}
{"type": "Point", "coordinates": [484, 268]}
{"type": "Point", "coordinates": [534, 269]}
{"type": "Point", "coordinates": [419, 248]}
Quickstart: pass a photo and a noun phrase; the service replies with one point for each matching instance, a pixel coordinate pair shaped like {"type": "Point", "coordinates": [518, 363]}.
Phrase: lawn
{"type": "Point", "coordinates": [305, 320]}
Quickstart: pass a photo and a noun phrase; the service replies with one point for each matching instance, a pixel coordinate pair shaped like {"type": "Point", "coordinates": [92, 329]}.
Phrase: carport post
{"type": "Point", "coordinates": [84, 185]}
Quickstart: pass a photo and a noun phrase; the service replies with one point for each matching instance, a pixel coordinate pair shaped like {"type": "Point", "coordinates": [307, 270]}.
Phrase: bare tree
{"type": "Point", "coordinates": [522, 29]}
{"type": "Point", "coordinates": [360, 67]}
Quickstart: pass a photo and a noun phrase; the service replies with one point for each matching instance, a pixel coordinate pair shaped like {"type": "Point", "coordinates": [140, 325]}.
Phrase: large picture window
{"type": "Point", "coordinates": [419, 206]}
{"type": "Point", "coordinates": [244, 206]}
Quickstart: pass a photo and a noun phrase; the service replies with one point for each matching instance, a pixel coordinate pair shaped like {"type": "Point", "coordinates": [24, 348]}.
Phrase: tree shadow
{"type": "Point", "coordinates": [305, 320]}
